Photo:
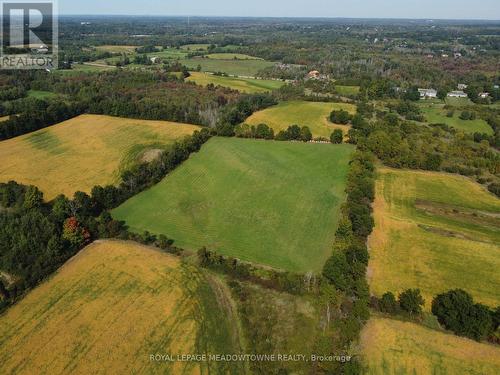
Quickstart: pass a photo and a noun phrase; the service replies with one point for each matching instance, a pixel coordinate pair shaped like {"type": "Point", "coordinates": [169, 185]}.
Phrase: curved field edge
{"type": "Point", "coordinates": [248, 85]}
{"type": "Point", "coordinates": [116, 300]}
{"type": "Point", "coordinates": [394, 347]}
{"type": "Point", "coordinates": [315, 115]}
{"type": "Point", "coordinates": [436, 232]}
{"type": "Point", "coordinates": [83, 152]}
{"type": "Point", "coordinates": [250, 199]}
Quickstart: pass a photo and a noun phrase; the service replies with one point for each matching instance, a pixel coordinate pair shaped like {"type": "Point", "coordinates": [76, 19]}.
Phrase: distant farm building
{"type": "Point", "coordinates": [314, 74]}
{"type": "Point", "coordinates": [457, 94]}
{"type": "Point", "coordinates": [462, 86]}
{"type": "Point", "coordinates": [484, 95]}
{"type": "Point", "coordinates": [155, 60]}
{"type": "Point", "coordinates": [427, 93]}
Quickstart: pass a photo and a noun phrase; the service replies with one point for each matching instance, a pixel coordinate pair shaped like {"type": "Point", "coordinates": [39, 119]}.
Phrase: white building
{"type": "Point", "coordinates": [484, 95]}
{"type": "Point", "coordinates": [427, 93]}
{"type": "Point", "coordinates": [457, 94]}
{"type": "Point", "coordinates": [462, 86]}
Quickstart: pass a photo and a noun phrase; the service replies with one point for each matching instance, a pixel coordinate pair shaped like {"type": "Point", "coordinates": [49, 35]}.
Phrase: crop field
{"type": "Point", "coordinates": [394, 347]}
{"type": "Point", "coordinates": [108, 309]}
{"type": "Point", "coordinates": [435, 232]}
{"type": "Point", "coordinates": [4, 118]}
{"type": "Point", "coordinates": [436, 114]}
{"type": "Point", "coordinates": [312, 114]}
{"type": "Point", "coordinates": [83, 152]}
{"type": "Point", "coordinates": [117, 49]}
{"type": "Point", "coordinates": [247, 85]}
{"type": "Point", "coordinates": [231, 56]}
{"type": "Point", "coordinates": [245, 68]}
{"type": "Point", "coordinates": [273, 203]}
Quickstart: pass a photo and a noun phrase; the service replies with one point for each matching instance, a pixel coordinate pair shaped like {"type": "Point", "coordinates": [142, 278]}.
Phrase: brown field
{"type": "Point", "coordinates": [83, 152]}
{"type": "Point", "coordinates": [4, 118]}
{"type": "Point", "coordinates": [108, 309]}
{"type": "Point", "coordinates": [393, 347]}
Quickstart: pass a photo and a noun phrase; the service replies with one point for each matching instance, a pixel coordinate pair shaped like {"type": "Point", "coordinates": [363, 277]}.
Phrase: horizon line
{"type": "Point", "coordinates": [428, 19]}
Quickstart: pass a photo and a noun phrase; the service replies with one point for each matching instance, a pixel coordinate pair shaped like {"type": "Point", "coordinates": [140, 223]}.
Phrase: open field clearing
{"type": "Point", "coordinates": [195, 47]}
{"type": "Point", "coordinates": [436, 114]}
{"type": "Point", "coordinates": [312, 114]}
{"type": "Point", "coordinates": [41, 94]}
{"type": "Point", "coordinates": [274, 203]}
{"type": "Point", "coordinates": [231, 56]}
{"type": "Point", "coordinates": [458, 102]}
{"type": "Point", "coordinates": [117, 49]}
{"type": "Point", "coordinates": [245, 68]}
{"type": "Point", "coordinates": [169, 53]}
{"type": "Point", "coordinates": [394, 347]}
{"type": "Point", "coordinates": [4, 118]}
{"type": "Point", "coordinates": [86, 68]}
{"type": "Point", "coordinates": [108, 309]}
{"type": "Point", "coordinates": [247, 85]}
{"type": "Point", "coordinates": [435, 232]}
{"type": "Point", "coordinates": [83, 152]}
{"type": "Point", "coordinates": [347, 90]}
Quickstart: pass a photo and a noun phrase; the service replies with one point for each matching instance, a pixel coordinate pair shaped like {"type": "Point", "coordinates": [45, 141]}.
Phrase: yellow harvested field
{"type": "Point", "coordinates": [117, 49]}
{"type": "Point", "coordinates": [315, 115]}
{"type": "Point", "coordinates": [107, 310]}
{"type": "Point", "coordinates": [435, 232]}
{"type": "Point", "coordinates": [394, 347]}
{"type": "Point", "coordinates": [83, 152]}
{"type": "Point", "coordinates": [4, 118]}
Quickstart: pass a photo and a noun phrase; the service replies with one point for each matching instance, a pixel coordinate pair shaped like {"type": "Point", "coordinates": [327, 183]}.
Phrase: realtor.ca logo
{"type": "Point", "coordinates": [28, 35]}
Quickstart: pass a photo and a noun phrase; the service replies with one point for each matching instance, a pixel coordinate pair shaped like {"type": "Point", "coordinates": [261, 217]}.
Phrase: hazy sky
{"type": "Point", "coordinates": [445, 9]}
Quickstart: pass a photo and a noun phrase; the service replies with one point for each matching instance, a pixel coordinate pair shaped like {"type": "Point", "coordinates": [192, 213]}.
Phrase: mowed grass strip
{"type": "Point", "coordinates": [231, 56]}
{"type": "Point", "coordinates": [273, 203]}
{"type": "Point", "coordinates": [437, 114]}
{"type": "Point", "coordinates": [312, 114]}
{"type": "Point", "coordinates": [107, 310]}
{"type": "Point", "coordinates": [435, 232]}
{"type": "Point", "coordinates": [247, 85]}
{"type": "Point", "coordinates": [83, 152]}
{"type": "Point", "coordinates": [394, 347]}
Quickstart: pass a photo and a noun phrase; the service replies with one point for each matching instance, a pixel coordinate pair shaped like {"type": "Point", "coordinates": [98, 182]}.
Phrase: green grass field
{"type": "Point", "coordinates": [41, 94]}
{"type": "Point", "coordinates": [436, 114]}
{"type": "Point", "coordinates": [315, 115]}
{"type": "Point", "coordinates": [347, 90]}
{"type": "Point", "coordinates": [195, 47]}
{"type": "Point", "coordinates": [246, 68]}
{"type": "Point", "coordinates": [402, 348]}
{"type": "Point", "coordinates": [273, 203]}
{"type": "Point", "coordinates": [435, 232]}
{"type": "Point", "coordinates": [116, 301]}
{"type": "Point", "coordinates": [247, 85]}
{"type": "Point", "coordinates": [231, 56]}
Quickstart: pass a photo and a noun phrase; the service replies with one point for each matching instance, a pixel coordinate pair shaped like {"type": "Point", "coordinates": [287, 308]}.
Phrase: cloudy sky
{"type": "Point", "coordinates": [443, 9]}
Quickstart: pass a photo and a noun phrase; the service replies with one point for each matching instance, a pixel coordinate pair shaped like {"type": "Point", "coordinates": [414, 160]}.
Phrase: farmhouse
{"type": "Point", "coordinates": [462, 86]}
{"type": "Point", "coordinates": [457, 94]}
{"type": "Point", "coordinates": [155, 60]}
{"type": "Point", "coordinates": [427, 93]}
{"type": "Point", "coordinates": [314, 74]}
{"type": "Point", "coordinates": [484, 95]}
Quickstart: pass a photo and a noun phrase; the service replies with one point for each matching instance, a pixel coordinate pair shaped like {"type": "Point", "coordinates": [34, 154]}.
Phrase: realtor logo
{"type": "Point", "coordinates": [28, 35]}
